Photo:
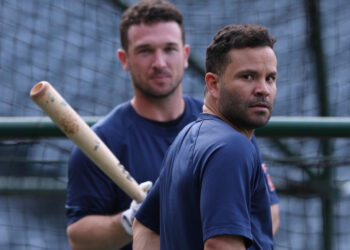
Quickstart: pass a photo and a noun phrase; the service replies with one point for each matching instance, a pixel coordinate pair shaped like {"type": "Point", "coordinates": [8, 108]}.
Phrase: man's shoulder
{"type": "Point", "coordinates": [214, 131]}
{"type": "Point", "coordinates": [116, 116]}
{"type": "Point", "coordinates": [115, 122]}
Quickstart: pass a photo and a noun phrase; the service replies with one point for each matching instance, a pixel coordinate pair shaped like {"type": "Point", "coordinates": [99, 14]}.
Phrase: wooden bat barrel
{"type": "Point", "coordinates": [72, 125]}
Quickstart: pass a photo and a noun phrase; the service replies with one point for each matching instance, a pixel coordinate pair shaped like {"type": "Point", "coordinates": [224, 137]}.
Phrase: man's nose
{"type": "Point", "coordinates": [159, 59]}
{"type": "Point", "coordinates": [262, 87]}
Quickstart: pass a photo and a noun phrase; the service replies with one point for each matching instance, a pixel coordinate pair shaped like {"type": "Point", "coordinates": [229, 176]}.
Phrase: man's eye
{"type": "Point", "coordinates": [247, 77]}
{"type": "Point", "coordinates": [145, 51]}
{"type": "Point", "coordinates": [170, 49]}
{"type": "Point", "coordinates": [271, 79]}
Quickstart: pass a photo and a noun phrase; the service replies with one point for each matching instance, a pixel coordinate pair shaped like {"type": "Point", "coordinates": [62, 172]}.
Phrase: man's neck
{"type": "Point", "coordinates": [161, 110]}
{"type": "Point", "coordinates": [211, 109]}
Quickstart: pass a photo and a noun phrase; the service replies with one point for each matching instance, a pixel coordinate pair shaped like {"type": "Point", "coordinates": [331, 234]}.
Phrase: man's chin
{"type": "Point", "coordinates": [260, 120]}
{"type": "Point", "coordinates": [158, 94]}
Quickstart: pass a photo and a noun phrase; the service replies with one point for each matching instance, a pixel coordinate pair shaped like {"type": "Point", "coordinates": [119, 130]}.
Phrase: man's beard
{"type": "Point", "coordinates": [236, 110]}
{"type": "Point", "coordinates": [149, 92]}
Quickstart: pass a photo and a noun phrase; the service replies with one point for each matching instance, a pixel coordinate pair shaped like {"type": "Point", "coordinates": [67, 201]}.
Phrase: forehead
{"type": "Point", "coordinates": [260, 59]}
{"type": "Point", "coordinates": [154, 34]}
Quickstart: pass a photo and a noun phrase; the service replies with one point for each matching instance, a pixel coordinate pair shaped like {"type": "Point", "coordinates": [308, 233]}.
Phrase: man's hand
{"type": "Point", "coordinates": [129, 215]}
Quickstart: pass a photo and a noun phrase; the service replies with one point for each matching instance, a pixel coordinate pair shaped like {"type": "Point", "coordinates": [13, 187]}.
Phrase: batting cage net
{"type": "Point", "coordinates": [73, 45]}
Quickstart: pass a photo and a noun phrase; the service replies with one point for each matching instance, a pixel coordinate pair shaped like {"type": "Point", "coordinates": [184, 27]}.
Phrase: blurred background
{"type": "Point", "coordinates": [73, 45]}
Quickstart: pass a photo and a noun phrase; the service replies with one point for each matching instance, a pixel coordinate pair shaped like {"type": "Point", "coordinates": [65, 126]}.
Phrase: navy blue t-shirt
{"type": "Point", "coordinates": [148, 214]}
{"type": "Point", "coordinates": [212, 183]}
{"type": "Point", "coordinates": [271, 187]}
{"type": "Point", "coordinates": [139, 144]}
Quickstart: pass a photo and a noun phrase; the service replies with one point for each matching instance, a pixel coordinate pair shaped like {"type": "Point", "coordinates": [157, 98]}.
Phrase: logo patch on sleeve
{"type": "Point", "coordinates": [268, 177]}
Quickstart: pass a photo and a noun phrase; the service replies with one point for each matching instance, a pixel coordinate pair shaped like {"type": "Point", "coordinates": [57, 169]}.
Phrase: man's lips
{"type": "Point", "coordinates": [159, 76]}
{"type": "Point", "coordinates": [261, 105]}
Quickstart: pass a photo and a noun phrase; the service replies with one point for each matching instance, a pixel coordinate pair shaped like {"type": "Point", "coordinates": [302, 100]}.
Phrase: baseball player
{"type": "Point", "coordinates": [212, 190]}
{"type": "Point", "coordinates": [138, 132]}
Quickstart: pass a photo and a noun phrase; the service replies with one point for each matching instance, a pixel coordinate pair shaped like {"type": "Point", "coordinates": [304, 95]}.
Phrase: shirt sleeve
{"type": "Point", "coordinates": [149, 212]}
{"type": "Point", "coordinates": [226, 189]}
{"type": "Point", "coordinates": [271, 187]}
{"type": "Point", "coordinates": [89, 190]}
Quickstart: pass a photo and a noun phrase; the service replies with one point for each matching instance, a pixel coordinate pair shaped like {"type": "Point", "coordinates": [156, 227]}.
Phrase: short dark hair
{"type": "Point", "coordinates": [234, 37]}
{"type": "Point", "coordinates": [149, 12]}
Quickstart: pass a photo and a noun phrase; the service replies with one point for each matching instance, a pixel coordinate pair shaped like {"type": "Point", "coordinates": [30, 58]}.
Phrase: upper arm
{"type": "Point", "coordinates": [83, 198]}
{"type": "Point", "coordinates": [149, 212]}
{"type": "Point", "coordinates": [144, 238]}
{"type": "Point", "coordinates": [97, 232]}
{"type": "Point", "coordinates": [275, 218]}
{"type": "Point", "coordinates": [227, 242]}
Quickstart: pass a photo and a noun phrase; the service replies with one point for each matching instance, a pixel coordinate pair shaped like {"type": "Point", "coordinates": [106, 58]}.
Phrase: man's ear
{"type": "Point", "coordinates": [186, 55]}
{"type": "Point", "coordinates": [212, 82]}
{"type": "Point", "coordinates": [123, 59]}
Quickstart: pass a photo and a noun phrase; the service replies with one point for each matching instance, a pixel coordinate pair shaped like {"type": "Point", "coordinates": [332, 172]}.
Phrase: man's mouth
{"type": "Point", "coordinates": [261, 106]}
{"type": "Point", "coordinates": [160, 76]}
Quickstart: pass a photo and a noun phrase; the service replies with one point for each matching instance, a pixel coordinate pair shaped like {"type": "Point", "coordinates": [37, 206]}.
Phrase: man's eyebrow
{"type": "Point", "coordinates": [251, 71]}
{"type": "Point", "coordinates": [273, 73]}
{"type": "Point", "coordinates": [172, 44]}
{"type": "Point", "coordinates": [147, 45]}
{"type": "Point", "coordinates": [247, 71]}
{"type": "Point", "coordinates": [143, 46]}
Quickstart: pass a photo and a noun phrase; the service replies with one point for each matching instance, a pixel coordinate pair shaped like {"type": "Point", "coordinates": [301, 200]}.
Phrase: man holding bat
{"type": "Point", "coordinates": [211, 193]}
{"type": "Point", "coordinates": [138, 132]}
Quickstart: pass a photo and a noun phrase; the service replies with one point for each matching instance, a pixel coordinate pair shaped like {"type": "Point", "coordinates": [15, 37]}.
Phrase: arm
{"type": "Point", "coordinates": [98, 232]}
{"type": "Point", "coordinates": [104, 232]}
{"type": "Point", "coordinates": [275, 218]}
{"type": "Point", "coordinates": [147, 222]}
{"type": "Point", "coordinates": [87, 229]}
{"type": "Point", "coordinates": [272, 192]}
{"type": "Point", "coordinates": [144, 238]}
{"type": "Point", "coordinates": [229, 242]}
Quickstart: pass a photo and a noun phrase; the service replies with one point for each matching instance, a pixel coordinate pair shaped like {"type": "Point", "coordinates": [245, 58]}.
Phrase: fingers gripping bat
{"type": "Point", "coordinates": [74, 127]}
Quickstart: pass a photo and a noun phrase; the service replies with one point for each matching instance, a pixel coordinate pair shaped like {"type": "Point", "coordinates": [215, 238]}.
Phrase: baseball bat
{"type": "Point", "coordinates": [74, 127]}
